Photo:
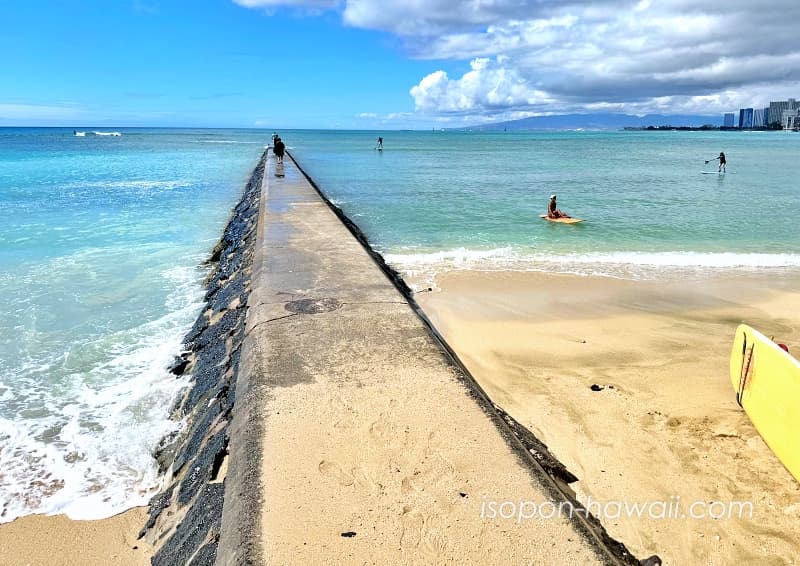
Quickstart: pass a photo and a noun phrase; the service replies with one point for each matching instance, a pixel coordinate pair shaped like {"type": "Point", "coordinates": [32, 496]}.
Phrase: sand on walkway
{"type": "Point", "coordinates": [665, 427]}
{"type": "Point", "coordinates": [402, 472]}
{"type": "Point", "coordinates": [39, 540]}
{"type": "Point", "coordinates": [376, 449]}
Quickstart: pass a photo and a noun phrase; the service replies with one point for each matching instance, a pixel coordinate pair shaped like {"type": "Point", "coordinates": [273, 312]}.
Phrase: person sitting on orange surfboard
{"type": "Point", "coordinates": [553, 211]}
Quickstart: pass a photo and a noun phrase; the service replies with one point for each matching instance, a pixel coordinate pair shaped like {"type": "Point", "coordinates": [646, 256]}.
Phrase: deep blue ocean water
{"type": "Point", "coordinates": [100, 242]}
{"type": "Point", "coordinates": [102, 238]}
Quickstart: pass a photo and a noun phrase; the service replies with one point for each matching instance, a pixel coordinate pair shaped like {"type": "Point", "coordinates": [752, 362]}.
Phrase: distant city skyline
{"type": "Point", "coordinates": [392, 64]}
{"type": "Point", "coordinates": [776, 114]}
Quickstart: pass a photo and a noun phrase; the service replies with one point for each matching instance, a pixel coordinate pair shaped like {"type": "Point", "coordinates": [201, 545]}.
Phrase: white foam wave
{"type": "Point", "coordinates": [139, 184]}
{"type": "Point", "coordinates": [720, 260]}
{"type": "Point", "coordinates": [113, 134]}
{"type": "Point", "coordinates": [88, 452]}
{"type": "Point", "coordinates": [5, 392]}
{"type": "Point", "coordinates": [456, 258]}
{"type": "Point", "coordinates": [421, 268]}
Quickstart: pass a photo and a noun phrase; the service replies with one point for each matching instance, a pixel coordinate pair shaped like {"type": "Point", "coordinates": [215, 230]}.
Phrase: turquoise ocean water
{"type": "Point", "coordinates": [101, 238]}
{"type": "Point", "coordinates": [435, 201]}
{"type": "Point", "coordinates": [100, 242]}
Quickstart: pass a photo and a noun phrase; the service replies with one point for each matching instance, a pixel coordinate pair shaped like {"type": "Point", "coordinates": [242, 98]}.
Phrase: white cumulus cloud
{"type": "Point", "coordinates": [489, 85]}
{"type": "Point", "coordinates": [633, 56]}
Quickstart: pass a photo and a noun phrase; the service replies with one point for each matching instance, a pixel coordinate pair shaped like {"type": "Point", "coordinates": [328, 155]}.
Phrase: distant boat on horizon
{"type": "Point", "coordinates": [83, 134]}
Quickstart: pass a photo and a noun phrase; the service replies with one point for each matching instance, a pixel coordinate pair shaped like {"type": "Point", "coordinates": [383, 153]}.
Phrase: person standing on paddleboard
{"type": "Point", "coordinates": [380, 144]}
{"type": "Point", "coordinates": [722, 162]}
{"type": "Point", "coordinates": [553, 210]}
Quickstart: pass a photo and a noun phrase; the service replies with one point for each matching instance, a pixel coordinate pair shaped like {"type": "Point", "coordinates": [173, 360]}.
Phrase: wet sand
{"type": "Point", "coordinates": [665, 424]}
{"type": "Point", "coordinates": [39, 540]}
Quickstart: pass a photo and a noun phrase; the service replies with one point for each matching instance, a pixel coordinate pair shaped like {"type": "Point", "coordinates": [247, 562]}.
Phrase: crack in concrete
{"type": "Point", "coordinates": [271, 303]}
{"type": "Point", "coordinates": [248, 332]}
{"type": "Point", "coordinates": [376, 303]}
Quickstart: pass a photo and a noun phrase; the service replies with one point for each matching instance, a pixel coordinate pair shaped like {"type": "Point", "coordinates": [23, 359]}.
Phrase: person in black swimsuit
{"type": "Point", "coordinates": [279, 149]}
{"type": "Point", "coordinates": [553, 211]}
{"type": "Point", "coordinates": [721, 162]}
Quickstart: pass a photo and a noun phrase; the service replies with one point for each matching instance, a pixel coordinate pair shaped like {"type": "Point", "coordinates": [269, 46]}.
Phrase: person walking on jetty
{"type": "Point", "coordinates": [279, 149]}
{"type": "Point", "coordinates": [553, 211]}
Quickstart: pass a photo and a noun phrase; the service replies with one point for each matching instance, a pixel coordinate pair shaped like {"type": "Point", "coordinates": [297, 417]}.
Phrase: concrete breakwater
{"type": "Point", "coordinates": [185, 517]}
{"type": "Point", "coordinates": [357, 435]}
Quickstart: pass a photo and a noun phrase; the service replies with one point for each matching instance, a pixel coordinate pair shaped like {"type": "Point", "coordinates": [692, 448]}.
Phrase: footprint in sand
{"type": "Point", "coordinates": [328, 468]}
{"type": "Point", "coordinates": [433, 544]}
{"type": "Point", "coordinates": [346, 414]}
{"type": "Point", "coordinates": [383, 430]}
{"type": "Point", "coordinates": [434, 473]}
{"type": "Point", "coordinates": [412, 522]}
{"type": "Point", "coordinates": [364, 481]}
{"type": "Point", "coordinates": [417, 536]}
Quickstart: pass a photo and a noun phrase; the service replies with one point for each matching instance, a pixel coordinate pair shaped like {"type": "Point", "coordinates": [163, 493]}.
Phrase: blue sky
{"type": "Point", "coordinates": [385, 64]}
{"type": "Point", "coordinates": [221, 64]}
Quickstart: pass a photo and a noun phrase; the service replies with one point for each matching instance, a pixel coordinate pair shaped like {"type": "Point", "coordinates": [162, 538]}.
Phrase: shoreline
{"type": "Point", "coordinates": [182, 521]}
{"type": "Point", "coordinates": [662, 420]}
{"type": "Point", "coordinates": [185, 518]}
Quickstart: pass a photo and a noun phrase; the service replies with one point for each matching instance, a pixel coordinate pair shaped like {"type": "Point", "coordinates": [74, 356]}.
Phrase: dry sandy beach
{"type": "Point", "coordinates": [38, 540]}
{"type": "Point", "coordinates": [665, 427]}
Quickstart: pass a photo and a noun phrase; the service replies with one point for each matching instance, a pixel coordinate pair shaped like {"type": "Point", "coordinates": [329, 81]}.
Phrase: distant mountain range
{"type": "Point", "coordinates": [595, 122]}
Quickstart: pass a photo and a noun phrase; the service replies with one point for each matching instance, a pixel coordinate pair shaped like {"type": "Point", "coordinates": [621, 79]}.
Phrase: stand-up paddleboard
{"type": "Point", "coordinates": [766, 379]}
{"type": "Point", "coordinates": [713, 172]}
{"type": "Point", "coordinates": [562, 220]}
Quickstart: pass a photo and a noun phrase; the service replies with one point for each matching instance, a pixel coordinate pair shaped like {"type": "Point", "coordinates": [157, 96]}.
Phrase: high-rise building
{"type": "Point", "coordinates": [776, 110]}
{"type": "Point", "coordinates": [745, 117]}
{"type": "Point", "coordinates": [727, 120]}
{"type": "Point", "coordinates": [791, 120]}
{"type": "Point", "coordinates": [758, 117]}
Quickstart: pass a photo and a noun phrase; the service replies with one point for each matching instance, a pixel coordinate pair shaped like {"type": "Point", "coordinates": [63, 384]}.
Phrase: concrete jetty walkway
{"type": "Point", "coordinates": [356, 439]}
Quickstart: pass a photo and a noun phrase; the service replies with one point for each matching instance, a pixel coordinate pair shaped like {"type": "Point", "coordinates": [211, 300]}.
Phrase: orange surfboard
{"type": "Point", "coordinates": [562, 220]}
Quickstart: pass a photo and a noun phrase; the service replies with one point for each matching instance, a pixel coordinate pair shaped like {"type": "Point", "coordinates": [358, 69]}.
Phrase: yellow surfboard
{"type": "Point", "coordinates": [562, 220]}
{"type": "Point", "coordinates": [767, 384]}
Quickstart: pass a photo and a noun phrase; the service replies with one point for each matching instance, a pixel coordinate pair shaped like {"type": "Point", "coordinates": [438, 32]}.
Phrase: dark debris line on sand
{"type": "Point", "coordinates": [185, 518]}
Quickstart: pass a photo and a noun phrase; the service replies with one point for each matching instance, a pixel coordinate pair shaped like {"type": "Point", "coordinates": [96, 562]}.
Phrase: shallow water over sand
{"type": "Point", "coordinates": [438, 201]}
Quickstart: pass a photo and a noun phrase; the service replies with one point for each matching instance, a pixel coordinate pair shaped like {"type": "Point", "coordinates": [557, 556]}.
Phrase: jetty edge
{"type": "Point", "coordinates": [185, 518]}
{"type": "Point", "coordinates": [332, 422]}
